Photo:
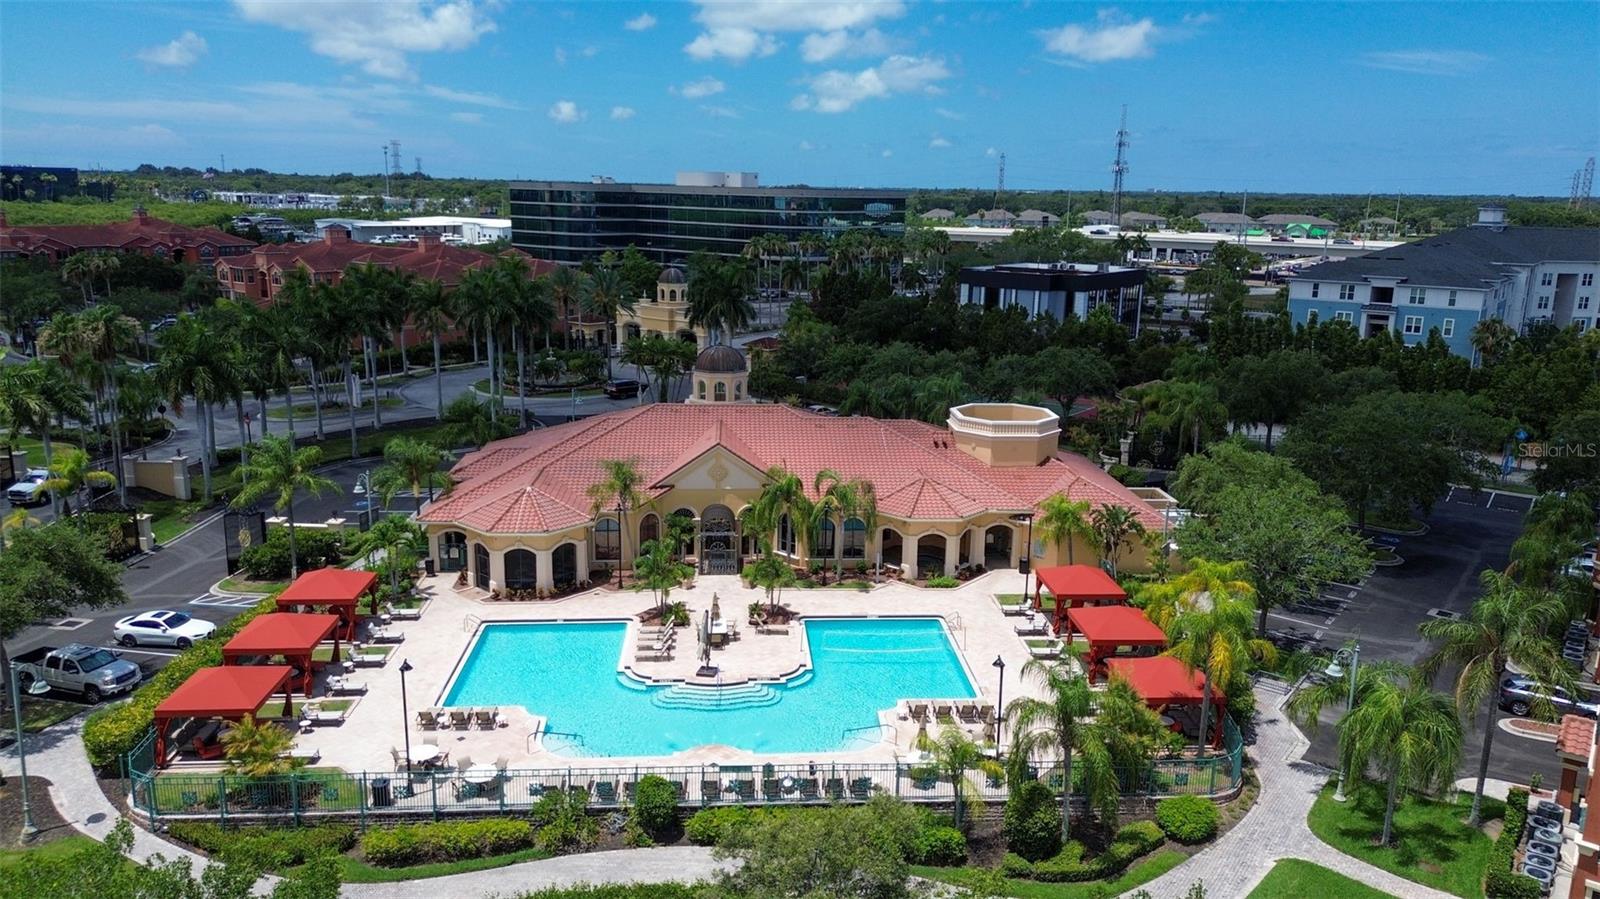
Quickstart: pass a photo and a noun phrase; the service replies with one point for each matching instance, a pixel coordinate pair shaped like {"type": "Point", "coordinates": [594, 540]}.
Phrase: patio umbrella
{"type": "Point", "coordinates": [716, 607]}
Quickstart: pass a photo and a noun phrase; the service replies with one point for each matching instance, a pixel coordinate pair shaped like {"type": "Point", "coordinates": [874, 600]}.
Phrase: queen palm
{"type": "Point", "coordinates": [1062, 521]}
{"type": "Point", "coordinates": [1217, 639]}
{"type": "Point", "coordinates": [1509, 623]}
{"type": "Point", "coordinates": [79, 269]}
{"type": "Point", "coordinates": [529, 310]}
{"type": "Point", "coordinates": [398, 537]}
{"type": "Point", "coordinates": [257, 748]}
{"type": "Point", "coordinates": [194, 362]}
{"type": "Point", "coordinates": [1203, 579]}
{"type": "Point", "coordinates": [94, 342]}
{"type": "Point", "coordinates": [410, 464]}
{"type": "Point", "coordinates": [1398, 725]}
{"type": "Point", "coordinates": [430, 311]}
{"type": "Point", "coordinates": [479, 305]}
{"type": "Point", "coordinates": [566, 285]}
{"type": "Point", "coordinates": [1492, 339]}
{"type": "Point", "coordinates": [34, 393]}
{"type": "Point", "coordinates": [618, 489]}
{"type": "Point", "coordinates": [605, 294]}
{"type": "Point", "coordinates": [783, 496]}
{"type": "Point", "coordinates": [1113, 526]}
{"type": "Point", "coordinates": [838, 500]}
{"type": "Point", "coordinates": [656, 569]}
{"type": "Point", "coordinates": [1190, 408]}
{"type": "Point", "coordinates": [959, 760]}
{"type": "Point", "coordinates": [71, 473]}
{"type": "Point", "coordinates": [278, 470]}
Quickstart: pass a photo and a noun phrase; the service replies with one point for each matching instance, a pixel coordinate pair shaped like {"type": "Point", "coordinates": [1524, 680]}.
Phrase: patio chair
{"type": "Point", "coordinates": [500, 763]}
{"type": "Point", "coordinates": [653, 656]}
{"type": "Point", "coordinates": [861, 788]}
{"type": "Point", "coordinates": [986, 712]}
{"type": "Point", "coordinates": [362, 660]}
{"type": "Point", "coordinates": [628, 787]}
{"type": "Point", "coordinates": [397, 758]}
{"type": "Point", "coordinates": [833, 787]}
{"type": "Point", "coordinates": [744, 789]}
{"type": "Point", "coordinates": [919, 711]}
{"type": "Point", "coordinates": [771, 789]}
{"type": "Point", "coordinates": [808, 788]}
{"type": "Point", "coordinates": [487, 718]}
{"type": "Point", "coordinates": [463, 790]}
{"type": "Point", "coordinates": [679, 789]}
{"type": "Point", "coordinates": [710, 790]}
{"type": "Point", "coordinates": [944, 712]}
{"type": "Point", "coordinates": [463, 763]}
{"type": "Point", "coordinates": [428, 719]}
{"type": "Point", "coordinates": [208, 751]}
{"type": "Point", "coordinates": [460, 719]}
{"type": "Point", "coordinates": [402, 614]}
{"type": "Point", "coordinates": [967, 712]}
{"type": "Point", "coordinates": [605, 792]}
{"type": "Point", "coordinates": [339, 685]}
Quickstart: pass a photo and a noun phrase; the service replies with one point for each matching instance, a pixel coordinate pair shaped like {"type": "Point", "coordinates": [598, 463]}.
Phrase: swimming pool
{"type": "Point", "coordinates": [567, 672]}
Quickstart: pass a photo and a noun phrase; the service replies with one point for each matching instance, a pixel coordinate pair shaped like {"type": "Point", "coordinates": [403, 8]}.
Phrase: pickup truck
{"type": "Point", "coordinates": [90, 671]}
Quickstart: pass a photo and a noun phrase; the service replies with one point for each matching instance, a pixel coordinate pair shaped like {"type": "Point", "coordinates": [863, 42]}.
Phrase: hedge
{"type": "Point", "coordinates": [445, 841]}
{"type": "Point", "coordinates": [266, 848]}
{"type": "Point", "coordinates": [1131, 842]}
{"type": "Point", "coordinates": [655, 804]}
{"type": "Point", "coordinates": [1504, 881]}
{"type": "Point", "coordinates": [1188, 819]}
{"type": "Point", "coordinates": [112, 732]}
{"type": "Point", "coordinates": [939, 845]}
{"type": "Point", "coordinates": [710, 826]}
{"type": "Point", "coordinates": [1032, 822]}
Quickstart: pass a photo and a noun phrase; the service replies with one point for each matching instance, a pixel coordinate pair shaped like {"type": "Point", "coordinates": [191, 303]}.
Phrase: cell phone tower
{"type": "Point", "coordinates": [1120, 167]}
{"type": "Point", "coordinates": [1582, 184]}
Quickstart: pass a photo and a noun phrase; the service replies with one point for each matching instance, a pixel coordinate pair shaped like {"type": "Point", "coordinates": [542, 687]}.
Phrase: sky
{"type": "Point", "coordinates": [1459, 97]}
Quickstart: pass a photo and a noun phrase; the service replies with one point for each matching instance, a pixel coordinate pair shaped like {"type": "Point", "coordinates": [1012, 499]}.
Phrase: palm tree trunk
{"type": "Point", "coordinates": [350, 399]}
{"type": "Point", "coordinates": [211, 433]}
{"type": "Point", "coordinates": [1388, 809]}
{"type": "Point", "coordinates": [261, 401]}
{"type": "Point", "coordinates": [294, 556]}
{"type": "Point", "coordinates": [55, 503]}
{"type": "Point", "coordinates": [205, 452]}
{"type": "Point", "coordinates": [1066, 793]}
{"type": "Point", "coordinates": [244, 445]}
{"type": "Point", "coordinates": [1205, 707]}
{"type": "Point", "coordinates": [493, 405]}
{"type": "Point", "coordinates": [438, 377]}
{"type": "Point", "coordinates": [522, 376]}
{"type": "Point", "coordinates": [838, 550]}
{"type": "Point", "coordinates": [116, 438]}
{"type": "Point", "coordinates": [316, 398]}
{"type": "Point", "coordinates": [288, 408]}
{"type": "Point", "coordinates": [1483, 756]}
{"type": "Point", "coordinates": [377, 408]}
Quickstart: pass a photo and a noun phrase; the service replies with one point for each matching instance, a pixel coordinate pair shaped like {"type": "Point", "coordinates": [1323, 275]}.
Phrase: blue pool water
{"type": "Point", "coordinates": [567, 672]}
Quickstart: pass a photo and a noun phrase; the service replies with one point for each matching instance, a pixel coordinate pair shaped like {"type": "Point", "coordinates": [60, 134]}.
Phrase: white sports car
{"type": "Point", "coordinates": [162, 628]}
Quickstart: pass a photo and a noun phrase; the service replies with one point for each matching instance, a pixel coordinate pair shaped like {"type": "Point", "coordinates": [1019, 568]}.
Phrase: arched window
{"type": "Point", "coordinates": [607, 539]}
{"type": "Point", "coordinates": [522, 570]}
{"type": "Point", "coordinates": [452, 551]}
{"type": "Point", "coordinates": [700, 389]}
{"type": "Point", "coordinates": [480, 566]}
{"type": "Point", "coordinates": [672, 296]}
{"type": "Point", "coordinates": [855, 538]}
{"type": "Point", "coordinates": [738, 390]}
{"type": "Point", "coordinates": [564, 565]}
{"type": "Point", "coordinates": [649, 529]}
{"type": "Point", "coordinates": [825, 534]}
{"type": "Point", "coordinates": [785, 535]}
{"type": "Point", "coordinates": [721, 394]}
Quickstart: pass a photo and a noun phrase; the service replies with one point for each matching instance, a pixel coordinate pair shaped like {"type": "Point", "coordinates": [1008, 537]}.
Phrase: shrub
{"type": "Point", "coordinates": [655, 804]}
{"type": "Point", "coordinates": [938, 845]}
{"type": "Point", "coordinates": [709, 826]}
{"type": "Point", "coordinates": [1504, 881]}
{"type": "Point", "coordinates": [445, 841]}
{"type": "Point", "coordinates": [943, 582]}
{"type": "Point", "coordinates": [1032, 822]}
{"type": "Point", "coordinates": [563, 820]}
{"type": "Point", "coordinates": [265, 848]}
{"type": "Point", "coordinates": [1131, 842]}
{"type": "Point", "coordinates": [1014, 865]}
{"type": "Point", "coordinates": [269, 559]}
{"type": "Point", "coordinates": [1188, 819]}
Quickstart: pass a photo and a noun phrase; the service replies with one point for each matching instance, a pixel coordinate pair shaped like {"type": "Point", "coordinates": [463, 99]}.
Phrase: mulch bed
{"type": "Point", "coordinates": [49, 821]}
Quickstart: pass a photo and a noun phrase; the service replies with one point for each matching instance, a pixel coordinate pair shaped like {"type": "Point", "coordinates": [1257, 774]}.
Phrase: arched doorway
{"type": "Point", "coordinates": [564, 565]}
{"type": "Point", "coordinates": [522, 570]}
{"type": "Point", "coordinates": [686, 546]}
{"type": "Point", "coordinates": [855, 538]}
{"type": "Point", "coordinates": [997, 546]}
{"type": "Point", "coordinates": [889, 547]}
{"type": "Point", "coordinates": [452, 551]}
{"type": "Point", "coordinates": [649, 529]}
{"type": "Point", "coordinates": [719, 541]}
{"type": "Point", "coordinates": [931, 552]}
{"type": "Point", "coordinates": [480, 566]}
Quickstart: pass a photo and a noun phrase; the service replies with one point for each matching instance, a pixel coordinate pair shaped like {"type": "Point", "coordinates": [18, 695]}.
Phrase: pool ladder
{"type": "Point", "coordinates": [471, 621]}
{"type": "Point", "coordinates": [956, 624]}
{"type": "Point", "coordinates": [894, 736]}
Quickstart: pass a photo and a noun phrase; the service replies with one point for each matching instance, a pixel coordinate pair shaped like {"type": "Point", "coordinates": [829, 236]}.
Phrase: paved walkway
{"type": "Point", "coordinates": [1275, 827]}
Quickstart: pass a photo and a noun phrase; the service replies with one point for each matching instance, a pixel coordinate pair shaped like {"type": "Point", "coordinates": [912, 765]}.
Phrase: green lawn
{"type": "Point", "coordinates": [35, 449]}
{"type": "Point", "coordinates": [307, 411]}
{"type": "Point", "coordinates": [274, 708]}
{"type": "Point", "coordinates": [1006, 600]}
{"type": "Point", "coordinates": [354, 870]}
{"type": "Point", "coordinates": [1433, 845]}
{"type": "Point", "coordinates": [171, 517]}
{"type": "Point", "coordinates": [245, 585]}
{"type": "Point", "coordinates": [1144, 871]}
{"type": "Point", "coordinates": [67, 845]}
{"type": "Point", "coordinates": [38, 713]}
{"type": "Point", "coordinates": [1292, 878]}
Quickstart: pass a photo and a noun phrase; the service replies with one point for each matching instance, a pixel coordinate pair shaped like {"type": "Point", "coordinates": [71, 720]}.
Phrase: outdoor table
{"type": "Point", "coordinates": [423, 754]}
{"type": "Point", "coordinates": [480, 774]}
{"type": "Point", "coordinates": [788, 784]}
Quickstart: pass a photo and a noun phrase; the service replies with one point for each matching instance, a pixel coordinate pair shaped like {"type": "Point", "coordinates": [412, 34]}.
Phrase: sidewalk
{"type": "Point", "coordinates": [1275, 828]}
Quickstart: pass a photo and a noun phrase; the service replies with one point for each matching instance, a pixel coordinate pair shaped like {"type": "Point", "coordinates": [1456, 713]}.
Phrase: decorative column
{"type": "Point", "coordinates": [545, 577]}
{"type": "Point", "coordinates": [952, 554]}
{"type": "Point", "coordinates": [497, 569]}
{"type": "Point", "coordinates": [585, 564]}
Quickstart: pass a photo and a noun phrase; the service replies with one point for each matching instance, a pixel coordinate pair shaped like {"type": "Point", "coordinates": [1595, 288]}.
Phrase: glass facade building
{"type": "Point", "coordinates": [570, 221]}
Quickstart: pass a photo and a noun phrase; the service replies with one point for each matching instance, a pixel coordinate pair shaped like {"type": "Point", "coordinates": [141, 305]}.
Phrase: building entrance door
{"type": "Point", "coordinates": [719, 541]}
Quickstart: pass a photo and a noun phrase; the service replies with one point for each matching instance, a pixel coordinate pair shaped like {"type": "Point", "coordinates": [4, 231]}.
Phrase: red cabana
{"type": "Point", "coordinates": [229, 693]}
{"type": "Point", "coordinates": [292, 635]}
{"type": "Point", "coordinates": [1074, 586]}
{"type": "Point", "coordinates": [1108, 627]}
{"type": "Point", "coordinates": [340, 589]}
{"type": "Point", "coordinates": [1163, 681]}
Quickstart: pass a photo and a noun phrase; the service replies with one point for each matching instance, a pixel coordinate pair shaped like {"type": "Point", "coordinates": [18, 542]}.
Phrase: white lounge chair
{"type": "Point", "coordinates": [384, 635]}
{"type": "Point", "coordinates": [1051, 650]}
{"type": "Point", "coordinates": [652, 655]}
{"type": "Point", "coordinates": [1030, 626]}
{"type": "Point", "coordinates": [411, 614]}
{"type": "Point", "coordinates": [339, 684]}
{"type": "Point", "coordinates": [323, 716]}
{"type": "Point", "coordinates": [302, 753]}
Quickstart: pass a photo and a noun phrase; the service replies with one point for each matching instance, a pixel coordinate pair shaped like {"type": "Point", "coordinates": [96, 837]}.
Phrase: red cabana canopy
{"type": "Point", "coordinates": [1078, 585]}
{"type": "Point", "coordinates": [338, 588]}
{"type": "Point", "coordinates": [229, 693]}
{"type": "Point", "coordinates": [1107, 627]}
{"type": "Point", "coordinates": [1163, 680]}
{"type": "Point", "coordinates": [293, 635]}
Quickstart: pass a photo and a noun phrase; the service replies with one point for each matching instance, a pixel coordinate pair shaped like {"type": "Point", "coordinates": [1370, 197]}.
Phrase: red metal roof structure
{"type": "Point", "coordinates": [1108, 627]}
{"type": "Point", "coordinates": [338, 588]}
{"type": "Point", "coordinates": [1163, 680]}
{"type": "Point", "coordinates": [229, 693]}
{"type": "Point", "coordinates": [1075, 586]}
{"type": "Point", "coordinates": [292, 635]}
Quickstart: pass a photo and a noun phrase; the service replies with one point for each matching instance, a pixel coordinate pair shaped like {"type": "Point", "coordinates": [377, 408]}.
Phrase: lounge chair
{"type": "Point", "coordinates": [367, 660]}
{"type": "Point", "coordinates": [834, 788]}
{"type": "Point", "coordinates": [384, 635]}
{"type": "Point", "coordinates": [208, 751]}
{"type": "Point", "coordinates": [323, 716]}
{"type": "Point", "coordinates": [428, 719]}
{"type": "Point", "coordinates": [772, 789]}
{"type": "Point", "coordinates": [680, 789]}
{"type": "Point", "coordinates": [605, 792]}
{"type": "Point", "coordinates": [1031, 626]}
{"type": "Point", "coordinates": [1047, 651]}
{"type": "Point", "coordinates": [302, 753]}
{"type": "Point", "coordinates": [653, 656]}
{"type": "Point", "coordinates": [339, 685]}
{"type": "Point", "coordinates": [460, 719]}
{"type": "Point", "coordinates": [487, 719]}
{"type": "Point", "coordinates": [861, 788]}
{"type": "Point", "coordinates": [986, 712]}
{"type": "Point", "coordinates": [943, 713]}
{"type": "Point", "coordinates": [808, 788]}
{"type": "Point", "coordinates": [411, 614]}
{"type": "Point", "coordinates": [710, 790]}
{"type": "Point", "coordinates": [967, 712]}
{"type": "Point", "coordinates": [774, 629]}
{"type": "Point", "coordinates": [919, 711]}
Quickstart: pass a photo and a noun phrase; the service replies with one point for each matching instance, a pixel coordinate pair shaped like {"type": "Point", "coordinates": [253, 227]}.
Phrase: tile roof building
{"type": "Point", "coordinates": [1225, 222]}
{"type": "Point", "coordinates": [1451, 282]}
{"type": "Point", "coordinates": [520, 516]}
{"type": "Point", "coordinates": [139, 234]}
{"type": "Point", "coordinates": [991, 218]}
{"type": "Point", "coordinates": [1144, 220]}
{"type": "Point", "coordinates": [1037, 218]}
{"type": "Point", "coordinates": [1099, 217]}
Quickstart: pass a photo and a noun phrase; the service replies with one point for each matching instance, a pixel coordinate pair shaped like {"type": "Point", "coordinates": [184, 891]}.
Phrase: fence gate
{"type": "Point", "coordinates": [240, 531]}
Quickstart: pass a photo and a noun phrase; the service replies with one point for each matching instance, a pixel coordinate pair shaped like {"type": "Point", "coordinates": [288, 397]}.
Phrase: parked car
{"type": "Point", "coordinates": [1344, 241]}
{"type": "Point", "coordinates": [1582, 566]}
{"type": "Point", "coordinates": [622, 389]}
{"type": "Point", "coordinates": [1283, 238]}
{"type": "Point", "coordinates": [1518, 695]}
{"type": "Point", "coordinates": [1099, 231]}
{"type": "Point", "coordinates": [162, 628]}
{"type": "Point", "coordinates": [29, 489]}
{"type": "Point", "coordinates": [92, 672]}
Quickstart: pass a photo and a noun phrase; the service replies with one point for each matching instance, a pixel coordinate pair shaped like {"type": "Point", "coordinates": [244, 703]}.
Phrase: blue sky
{"type": "Point", "coordinates": [1497, 98]}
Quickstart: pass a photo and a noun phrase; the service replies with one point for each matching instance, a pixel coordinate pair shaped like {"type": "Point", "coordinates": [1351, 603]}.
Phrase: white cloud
{"type": "Point", "coordinates": [949, 114]}
{"type": "Point", "coordinates": [938, 143]}
{"type": "Point", "coordinates": [621, 113]}
{"type": "Point", "coordinates": [1112, 36]}
{"type": "Point", "coordinates": [720, 112]}
{"type": "Point", "coordinates": [991, 152]}
{"type": "Point", "coordinates": [561, 56]}
{"type": "Point", "coordinates": [589, 51]}
{"type": "Point", "coordinates": [1425, 62]}
{"type": "Point", "coordinates": [744, 28]}
{"type": "Point", "coordinates": [179, 53]}
{"type": "Point", "coordinates": [838, 91]}
{"type": "Point", "coordinates": [566, 112]}
{"type": "Point", "coordinates": [467, 118]}
{"type": "Point", "coordinates": [805, 146]}
{"type": "Point", "coordinates": [823, 46]}
{"type": "Point", "coordinates": [886, 154]}
{"type": "Point", "coordinates": [705, 87]}
{"type": "Point", "coordinates": [377, 36]}
{"type": "Point", "coordinates": [641, 22]}
{"type": "Point", "coordinates": [467, 97]}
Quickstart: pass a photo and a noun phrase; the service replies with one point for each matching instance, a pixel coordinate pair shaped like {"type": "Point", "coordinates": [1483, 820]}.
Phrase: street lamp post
{"type": "Point", "coordinates": [1352, 655]}
{"type": "Point", "coordinates": [1026, 562]}
{"type": "Point", "coordinates": [28, 828]}
{"type": "Point", "coordinates": [405, 712]}
{"type": "Point", "coordinates": [1000, 705]}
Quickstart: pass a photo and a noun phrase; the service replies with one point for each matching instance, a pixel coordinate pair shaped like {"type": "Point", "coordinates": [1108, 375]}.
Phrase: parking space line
{"type": "Point", "coordinates": [148, 652]}
{"type": "Point", "coordinates": [1281, 617]}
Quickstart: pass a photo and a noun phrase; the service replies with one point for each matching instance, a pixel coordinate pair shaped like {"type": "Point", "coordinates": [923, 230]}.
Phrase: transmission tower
{"type": "Point", "coordinates": [1582, 184]}
{"type": "Point", "coordinates": [419, 165]}
{"type": "Point", "coordinates": [1120, 167]}
{"type": "Point", "coordinates": [999, 182]}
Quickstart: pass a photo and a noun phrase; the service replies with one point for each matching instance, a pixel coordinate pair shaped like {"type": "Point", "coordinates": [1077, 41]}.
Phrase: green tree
{"type": "Point", "coordinates": [1509, 624]}
{"type": "Point", "coordinates": [410, 464]}
{"type": "Point", "coordinates": [1113, 527]}
{"type": "Point", "coordinates": [719, 296]}
{"type": "Point", "coordinates": [401, 540]}
{"type": "Point", "coordinates": [429, 307]}
{"type": "Point", "coordinates": [566, 286]}
{"type": "Point", "coordinates": [772, 574]}
{"type": "Point", "coordinates": [1272, 389]}
{"type": "Point", "coordinates": [278, 470]}
{"type": "Point", "coordinates": [782, 497]}
{"type": "Point", "coordinates": [257, 748]}
{"type": "Point", "coordinates": [1190, 409]}
{"type": "Point", "coordinates": [474, 422]}
{"type": "Point", "coordinates": [1063, 521]}
{"type": "Point", "coordinates": [34, 393]}
{"type": "Point", "coordinates": [1211, 635]}
{"type": "Point", "coordinates": [656, 569]}
{"type": "Point", "coordinates": [1065, 374]}
{"type": "Point", "coordinates": [1203, 477]}
{"type": "Point", "coordinates": [840, 851]}
{"type": "Point", "coordinates": [838, 500]}
{"type": "Point", "coordinates": [618, 489]}
{"type": "Point", "coordinates": [1057, 726]}
{"type": "Point", "coordinates": [959, 760]}
{"type": "Point", "coordinates": [1568, 462]}
{"type": "Point", "coordinates": [70, 473]}
{"type": "Point", "coordinates": [606, 294]}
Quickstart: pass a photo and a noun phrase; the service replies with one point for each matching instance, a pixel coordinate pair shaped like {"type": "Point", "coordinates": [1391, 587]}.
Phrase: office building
{"type": "Point", "coordinates": [713, 212]}
{"type": "Point", "coordinates": [1059, 289]}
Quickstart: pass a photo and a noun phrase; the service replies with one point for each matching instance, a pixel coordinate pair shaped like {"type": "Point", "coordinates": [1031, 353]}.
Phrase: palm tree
{"type": "Point", "coordinates": [618, 489]}
{"type": "Point", "coordinates": [70, 474]}
{"type": "Point", "coordinates": [657, 570]}
{"type": "Point", "coordinates": [194, 363]}
{"type": "Point", "coordinates": [430, 310]}
{"type": "Point", "coordinates": [257, 748]}
{"type": "Point", "coordinates": [783, 496]}
{"type": "Point", "coordinates": [94, 342]}
{"type": "Point", "coordinates": [605, 294]}
{"type": "Point", "coordinates": [1057, 726]}
{"type": "Point", "coordinates": [410, 464]}
{"type": "Point", "coordinates": [1508, 624]}
{"type": "Point", "coordinates": [1216, 638]}
{"type": "Point", "coordinates": [1398, 724]}
{"type": "Point", "coordinates": [719, 297]}
{"type": "Point", "coordinates": [772, 574]}
{"type": "Point", "coordinates": [566, 285]}
{"type": "Point", "coordinates": [1113, 525]}
{"type": "Point", "coordinates": [1189, 408]}
{"type": "Point", "coordinates": [278, 470]}
{"type": "Point", "coordinates": [479, 305]}
{"type": "Point", "coordinates": [473, 422]}
{"type": "Point", "coordinates": [937, 394]}
{"type": "Point", "coordinates": [838, 500]}
{"type": "Point", "coordinates": [34, 393]}
{"type": "Point", "coordinates": [14, 520]}
{"type": "Point", "coordinates": [79, 269]}
{"type": "Point", "coordinates": [398, 537]}
{"type": "Point", "coordinates": [1062, 521]}
{"type": "Point", "coordinates": [958, 759]}
{"type": "Point", "coordinates": [1491, 338]}
{"type": "Point", "coordinates": [1163, 601]}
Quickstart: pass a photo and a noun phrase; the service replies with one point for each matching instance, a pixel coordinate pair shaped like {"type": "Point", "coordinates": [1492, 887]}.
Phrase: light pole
{"type": "Point", "coordinates": [1352, 655]}
{"type": "Point", "coordinates": [1026, 561]}
{"type": "Point", "coordinates": [405, 712]}
{"type": "Point", "coordinates": [1000, 705]}
{"type": "Point", "coordinates": [35, 688]}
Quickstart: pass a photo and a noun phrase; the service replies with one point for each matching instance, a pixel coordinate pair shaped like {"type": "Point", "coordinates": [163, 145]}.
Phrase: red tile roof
{"type": "Point", "coordinates": [134, 234]}
{"type": "Point", "coordinates": [536, 482]}
{"type": "Point", "coordinates": [438, 262]}
{"type": "Point", "coordinates": [1576, 737]}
